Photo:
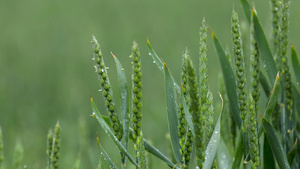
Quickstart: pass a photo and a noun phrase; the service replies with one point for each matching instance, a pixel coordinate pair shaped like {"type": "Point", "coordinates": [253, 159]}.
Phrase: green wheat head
{"type": "Point", "coordinates": [286, 76]}
{"type": "Point", "coordinates": [53, 147]}
{"type": "Point", "coordinates": [239, 61]}
{"type": "Point", "coordinates": [192, 127]}
{"type": "Point", "coordinates": [101, 69]}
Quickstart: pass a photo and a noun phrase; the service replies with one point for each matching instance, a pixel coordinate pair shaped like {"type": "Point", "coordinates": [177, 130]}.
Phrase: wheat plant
{"type": "Point", "coordinates": [256, 140]}
{"type": "Point", "coordinates": [244, 133]}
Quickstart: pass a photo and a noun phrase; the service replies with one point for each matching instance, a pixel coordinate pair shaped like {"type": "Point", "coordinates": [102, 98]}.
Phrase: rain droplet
{"type": "Point", "coordinates": [153, 61]}
{"type": "Point", "coordinates": [102, 70]}
{"type": "Point", "coordinates": [149, 53]}
{"type": "Point", "coordinates": [93, 113]}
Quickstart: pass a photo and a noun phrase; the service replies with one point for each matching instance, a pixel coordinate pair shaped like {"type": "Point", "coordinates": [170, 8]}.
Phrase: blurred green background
{"type": "Point", "coordinates": [47, 74]}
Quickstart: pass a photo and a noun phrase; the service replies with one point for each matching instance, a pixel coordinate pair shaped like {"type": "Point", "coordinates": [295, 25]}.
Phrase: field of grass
{"type": "Point", "coordinates": [47, 72]}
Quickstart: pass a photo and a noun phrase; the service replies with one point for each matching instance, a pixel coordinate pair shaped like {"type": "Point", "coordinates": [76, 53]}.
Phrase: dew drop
{"type": "Point", "coordinates": [149, 53]}
{"type": "Point", "coordinates": [93, 113]}
{"type": "Point", "coordinates": [153, 61]}
{"type": "Point", "coordinates": [102, 70]}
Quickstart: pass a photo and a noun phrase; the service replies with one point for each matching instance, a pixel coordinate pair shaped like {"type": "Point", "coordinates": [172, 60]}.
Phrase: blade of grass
{"type": "Point", "coordinates": [272, 102]}
{"type": "Point", "coordinates": [154, 151]}
{"type": "Point", "coordinates": [107, 129]}
{"type": "Point", "coordinates": [229, 81]}
{"type": "Point", "coordinates": [264, 83]}
{"type": "Point", "coordinates": [296, 64]}
{"type": "Point", "coordinates": [223, 156]}
{"type": "Point", "coordinates": [266, 54]}
{"type": "Point", "coordinates": [188, 116]}
{"type": "Point", "coordinates": [125, 99]}
{"type": "Point", "coordinates": [158, 62]}
{"type": "Point", "coordinates": [275, 144]}
{"type": "Point", "coordinates": [172, 108]}
{"type": "Point", "coordinates": [292, 153]}
{"type": "Point", "coordinates": [106, 156]}
{"type": "Point", "coordinates": [154, 56]}
{"type": "Point", "coordinates": [212, 146]}
{"type": "Point", "coordinates": [247, 9]}
{"type": "Point", "coordinates": [268, 160]}
{"type": "Point", "coordinates": [238, 156]}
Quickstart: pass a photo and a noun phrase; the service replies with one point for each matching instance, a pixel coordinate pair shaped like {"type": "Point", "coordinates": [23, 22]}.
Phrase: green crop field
{"type": "Point", "coordinates": [47, 74]}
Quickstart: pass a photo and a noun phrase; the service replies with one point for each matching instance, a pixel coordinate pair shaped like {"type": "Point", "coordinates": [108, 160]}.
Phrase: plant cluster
{"type": "Point", "coordinates": [240, 137]}
{"type": "Point", "coordinates": [257, 140]}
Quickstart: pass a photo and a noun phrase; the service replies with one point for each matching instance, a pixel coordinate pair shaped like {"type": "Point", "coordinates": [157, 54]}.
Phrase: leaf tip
{"type": "Point", "coordinates": [91, 99]}
{"type": "Point", "coordinates": [212, 33]}
{"type": "Point", "coordinates": [98, 139]}
{"type": "Point", "coordinates": [165, 65]}
{"type": "Point", "coordinates": [112, 55]}
{"type": "Point", "coordinates": [221, 100]}
{"type": "Point", "coordinates": [292, 46]}
{"type": "Point", "coordinates": [253, 11]}
{"type": "Point", "coordinates": [148, 42]}
{"type": "Point", "coordinates": [277, 76]}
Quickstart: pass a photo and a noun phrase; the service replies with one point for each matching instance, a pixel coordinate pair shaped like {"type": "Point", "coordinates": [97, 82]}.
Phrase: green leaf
{"type": "Point", "coordinates": [154, 151]}
{"type": "Point", "coordinates": [125, 99]}
{"type": "Point", "coordinates": [275, 144]}
{"type": "Point", "coordinates": [106, 156]}
{"type": "Point", "coordinates": [265, 52]}
{"type": "Point", "coordinates": [296, 64]}
{"type": "Point", "coordinates": [229, 81]}
{"type": "Point", "coordinates": [238, 156]}
{"type": "Point", "coordinates": [264, 83]}
{"type": "Point", "coordinates": [247, 9]}
{"type": "Point", "coordinates": [212, 146]}
{"type": "Point", "coordinates": [158, 62]}
{"type": "Point", "coordinates": [188, 115]}
{"type": "Point", "coordinates": [155, 58]}
{"type": "Point", "coordinates": [292, 153]}
{"type": "Point", "coordinates": [272, 102]}
{"type": "Point", "coordinates": [296, 98]}
{"type": "Point", "coordinates": [172, 108]}
{"type": "Point", "coordinates": [151, 149]}
{"type": "Point", "coordinates": [107, 129]}
{"type": "Point", "coordinates": [223, 156]}
{"type": "Point", "coordinates": [268, 160]}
